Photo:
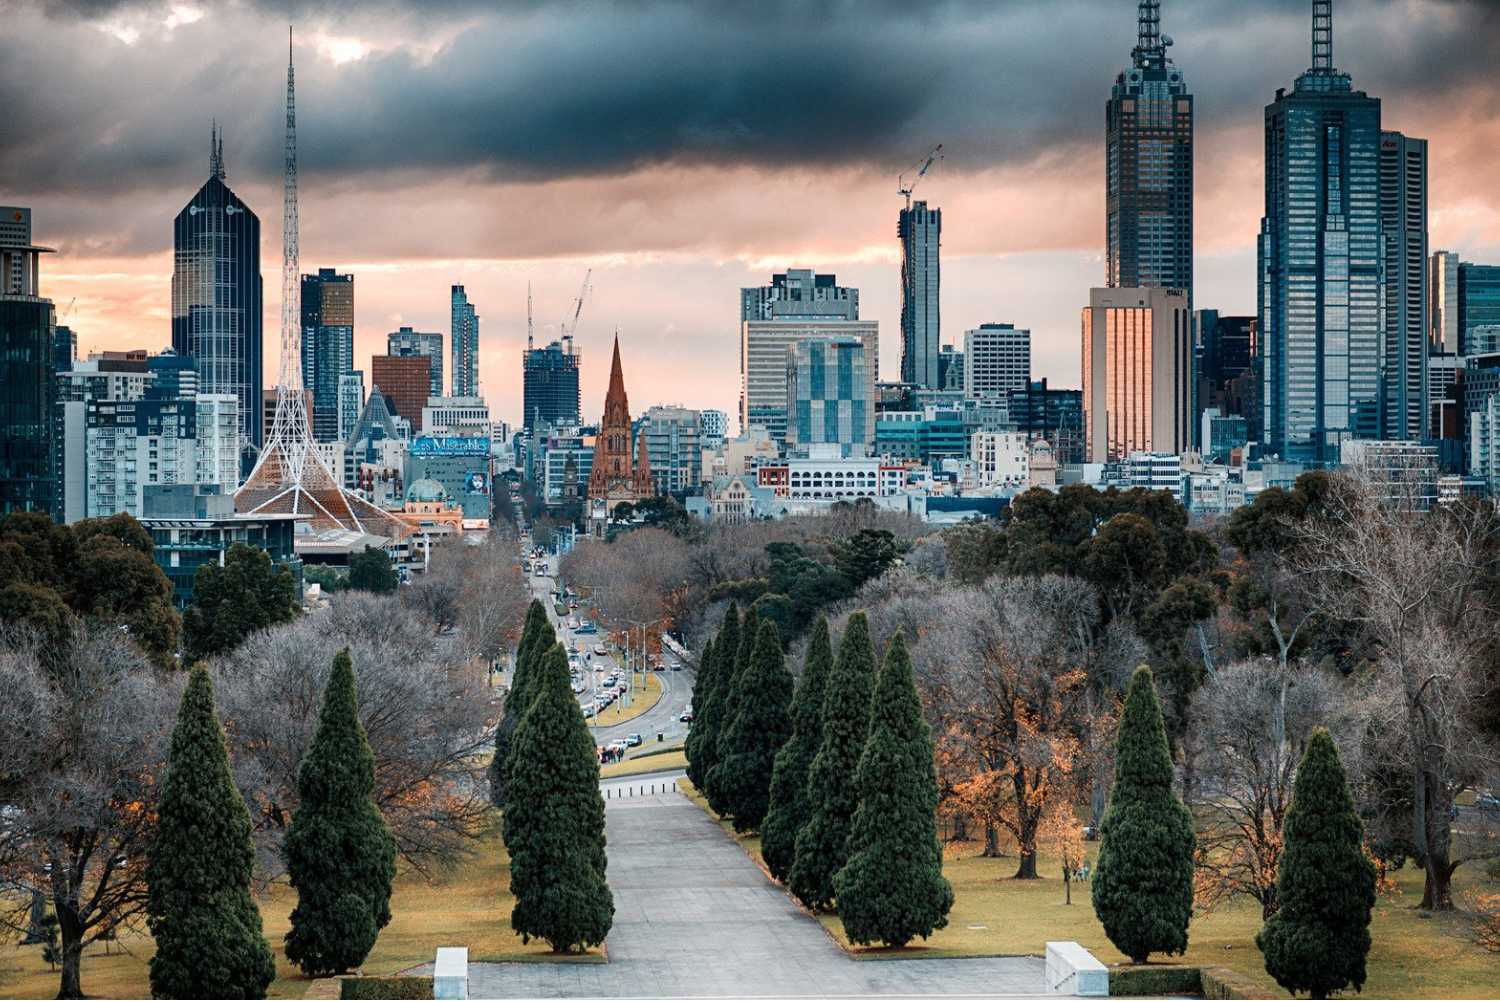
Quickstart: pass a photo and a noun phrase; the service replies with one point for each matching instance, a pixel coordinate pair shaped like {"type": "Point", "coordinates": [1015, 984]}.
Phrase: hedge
{"type": "Point", "coordinates": [1209, 982]}
{"type": "Point", "coordinates": [387, 988]}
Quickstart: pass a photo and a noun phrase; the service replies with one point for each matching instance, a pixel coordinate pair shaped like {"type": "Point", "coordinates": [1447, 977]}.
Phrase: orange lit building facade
{"type": "Point", "coordinates": [1137, 373]}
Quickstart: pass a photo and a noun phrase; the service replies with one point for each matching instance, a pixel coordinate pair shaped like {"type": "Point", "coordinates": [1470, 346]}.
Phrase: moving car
{"type": "Point", "coordinates": [601, 649]}
{"type": "Point", "coordinates": [632, 740]}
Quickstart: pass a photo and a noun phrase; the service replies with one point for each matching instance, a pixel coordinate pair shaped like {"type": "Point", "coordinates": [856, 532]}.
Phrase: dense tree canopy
{"type": "Point", "coordinates": [234, 600]}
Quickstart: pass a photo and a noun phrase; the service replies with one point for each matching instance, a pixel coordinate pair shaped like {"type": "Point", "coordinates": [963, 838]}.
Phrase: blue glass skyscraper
{"type": "Point", "coordinates": [465, 345]}
{"type": "Point", "coordinates": [1320, 255]}
{"type": "Point", "coordinates": [327, 346]}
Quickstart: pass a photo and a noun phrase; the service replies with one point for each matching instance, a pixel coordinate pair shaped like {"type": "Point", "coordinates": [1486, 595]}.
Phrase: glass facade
{"type": "Point", "coordinates": [465, 344]}
{"type": "Point", "coordinates": [1321, 287]}
{"type": "Point", "coordinates": [1148, 195]}
{"type": "Point", "coordinates": [920, 230]}
{"type": "Point", "coordinates": [1478, 299]}
{"type": "Point", "coordinates": [327, 345]}
{"type": "Point", "coordinates": [217, 297]}
{"type": "Point", "coordinates": [28, 391]}
{"type": "Point", "coordinates": [549, 385]}
{"type": "Point", "coordinates": [1403, 218]}
{"type": "Point", "coordinates": [1137, 396]}
{"type": "Point", "coordinates": [406, 343]}
{"type": "Point", "coordinates": [828, 394]}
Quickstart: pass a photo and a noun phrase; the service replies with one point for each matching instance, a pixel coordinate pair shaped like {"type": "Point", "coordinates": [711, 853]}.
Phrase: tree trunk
{"type": "Point", "coordinates": [991, 842]}
{"type": "Point", "coordinates": [961, 826]}
{"type": "Point", "coordinates": [1067, 886]}
{"type": "Point", "coordinates": [70, 985]}
{"type": "Point", "coordinates": [1026, 870]}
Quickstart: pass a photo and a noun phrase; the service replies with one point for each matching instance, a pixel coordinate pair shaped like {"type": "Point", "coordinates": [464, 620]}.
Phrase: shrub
{"type": "Point", "coordinates": [386, 988]}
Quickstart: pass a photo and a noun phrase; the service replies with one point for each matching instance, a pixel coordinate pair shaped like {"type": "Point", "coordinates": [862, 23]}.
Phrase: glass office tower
{"type": "Point", "coordinates": [327, 345]}
{"type": "Point", "coordinates": [1320, 256]}
{"type": "Point", "coordinates": [549, 384]}
{"type": "Point", "coordinates": [465, 345]}
{"type": "Point", "coordinates": [217, 295]}
{"type": "Point", "coordinates": [921, 231]}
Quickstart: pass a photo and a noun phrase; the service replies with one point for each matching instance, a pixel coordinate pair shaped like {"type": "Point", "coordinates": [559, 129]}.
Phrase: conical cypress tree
{"type": "Point", "coordinates": [703, 684]}
{"type": "Point", "coordinates": [789, 810]}
{"type": "Point", "coordinates": [727, 698]}
{"type": "Point", "coordinates": [708, 710]}
{"type": "Point", "coordinates": [760, 728]}
{"type": "Point", "coordinates": [209, 943]}
{"type": "Point", "coordinates": [340, 854]}
{"type": "Point", "coordinates": [554, 824]}
{"type": "Point", "coordinates": [1318, 940]}
{"type": "Point", "coordinates": [832, 796]}
{"type": "Point", "coordinates": [1143, 887]}
{"type": "Point", "coordinates": [537, 630]}
{"type": "Point", "coordinates": [892, 890]}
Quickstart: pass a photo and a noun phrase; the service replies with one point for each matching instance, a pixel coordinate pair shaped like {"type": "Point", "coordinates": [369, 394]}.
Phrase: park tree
{"type": "Point", "coordinates": [340, 853]}
{"type": "Point", "coordinates": [554, 819]}
{"type": "Point", "coordinates": [233, 600]}
{"type": "Point", "coordinates": [536, 632]}
{"type": "Point", "coordinates": [892, 889]}
{"type": "Point", "coordinates": [761, 726]}
{"type": "Point", "coordinates": [201, 912]}
{"type": "Point", "coordinates": [83, 744]}
{"type": "Point", "coordinates": [1063, 837]}
{"type": "Point", "coordinates": [832, 793]}
{"type": "Point", "coordinates": [1319, 938]}
{"type": "Point", "coordinates": [371, 570]}
{"type": "Point", "coordinates": [417, 705]}
{"type": "Point", "coordinates": [703, 738]}
{"type": "Point", "coordinates": [789, 810]}
{"type": "Point", "coordinates": [1143, 888]}
{"type": "Point", "coordinates": [728, 696]}
{"type": "Point", "coordinates": [865, 555]}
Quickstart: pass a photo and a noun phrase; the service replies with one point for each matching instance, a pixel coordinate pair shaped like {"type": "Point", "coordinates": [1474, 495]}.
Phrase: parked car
{"type": "Point", "coordinates": [1487, 802]}
{"type": "Point", "coordinates": [573, 605]}
{"type": "Point", "coordinates": [600, 649]}
{"type": "Point", "coordinates": [618, 744]}
{"type": "Point", "coordinates": [686, 718]}
{"type": "Point", "coordinates": [632, 740]}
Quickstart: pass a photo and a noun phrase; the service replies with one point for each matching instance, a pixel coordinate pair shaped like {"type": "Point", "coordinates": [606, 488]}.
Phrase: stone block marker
{"type": "Point", "coordinates": [450, 974]}
{"type": "Point", "coordinates": [1072, 970]}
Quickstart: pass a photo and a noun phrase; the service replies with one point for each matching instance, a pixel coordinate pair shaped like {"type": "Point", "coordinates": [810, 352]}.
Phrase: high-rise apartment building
{"type": "Point", "coordinates": [351, 402]}
{"type": "Point", "coordinates": [997, 360]}
{"type": "Point", "coordinates": [406, 382]}
{"type": "Point", "coordinates": [465, 341]}
{"type": "Point", "coordinates": [674, 446]}
{"type": "Point", "coordinates": [1463, 297]}
{"type": "Point", "coordinates": [1442, 302]}
{"type": "Point", "coordinates": [327, 345]}
{"type": "Point", "coordinates": [406, 343]}
{"type": "Point", "coordinates": [920, 230]}
{"type": "Point", "coordinates": [1137, 371]}
{"type": "Point", "coordinates": [713, 428]}
{"type": "Point", "coordinates": [829, 395]}
{"type": "Point", "coordinates": [1403, 219]}
{"type": "Point", "coordinates": [549, 384]}
{"type": "Point", "coordinates": [15, 231]}
{"type": "Point", "coordinates": [28, 386]}
{"type": "Point", "coordinates": [1148, 200]}
{"type": "Point", "coordinates": [1321, 263]}
{"type": "Point", "coordinates": [796, 305]}
{"type": "Point", "coordinates": [217, 294]}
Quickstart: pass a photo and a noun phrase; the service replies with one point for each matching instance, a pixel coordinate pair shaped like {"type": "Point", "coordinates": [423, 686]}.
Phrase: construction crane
{"type": "Point", "coordinates": [62, 318]}
{"type": "Point", "coordinates": [902, 188]}
{"type": "Point", "coordinates": [529, 331]}
{"type": "Point", "coordinates": [568, 331]}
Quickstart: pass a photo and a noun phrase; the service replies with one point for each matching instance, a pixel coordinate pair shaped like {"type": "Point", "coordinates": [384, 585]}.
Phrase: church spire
{"type": "Point", "coordinates": [643, 482]}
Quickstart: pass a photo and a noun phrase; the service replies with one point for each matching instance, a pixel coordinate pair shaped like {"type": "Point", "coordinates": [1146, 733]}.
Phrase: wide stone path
{"type": "Point", "coordinates": [694, 916]}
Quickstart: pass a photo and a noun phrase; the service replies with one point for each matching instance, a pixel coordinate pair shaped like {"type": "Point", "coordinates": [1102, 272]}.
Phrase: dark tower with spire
{"type": "Point", "coordinates": [1148, 172]}
{"type": "Point", "coordinates": [217, 293]}
{"type": "Point", "coordinates": [617, 475]}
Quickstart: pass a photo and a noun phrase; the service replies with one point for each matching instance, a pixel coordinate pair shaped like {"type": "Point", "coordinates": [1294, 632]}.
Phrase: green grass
{"type": "Point", "coordinates": [993, 915]}
{"type": "Point", "coordinates": [641, 700]}
{"type": "Point", "coordinates": [469, 906]}
{"type": "Point", "coordinates": [651, 763]}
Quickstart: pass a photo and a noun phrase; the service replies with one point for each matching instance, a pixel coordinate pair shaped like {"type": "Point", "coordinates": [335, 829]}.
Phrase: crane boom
{"type": "Point", "coordinates": [902, 188]}
{"type": "Point", "coordinates": [568, 331]}
{"type": "Point", "coordinates": [529, 330]}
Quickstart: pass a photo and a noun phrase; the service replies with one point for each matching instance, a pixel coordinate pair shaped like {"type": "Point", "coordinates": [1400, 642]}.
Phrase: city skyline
{"type": "Point", "coordinates": [673, 230]}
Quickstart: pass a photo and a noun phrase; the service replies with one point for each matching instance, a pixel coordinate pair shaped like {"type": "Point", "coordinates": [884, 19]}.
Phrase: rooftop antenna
{"type": "Point", "coordinates": [1150, 48]}
{"type": "Point", "coordinates": [216, 153]}
{"type": "Point", "coordinates": [1322, 37]}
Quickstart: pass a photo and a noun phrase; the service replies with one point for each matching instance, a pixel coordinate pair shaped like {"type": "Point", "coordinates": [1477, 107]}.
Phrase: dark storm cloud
{"type": "Point", "coordinates": [535, 91]}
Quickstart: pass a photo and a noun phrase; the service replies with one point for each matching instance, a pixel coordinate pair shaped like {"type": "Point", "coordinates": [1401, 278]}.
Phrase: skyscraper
{"type": "Point", "coordinates": [405, 381]}
{"type": "Point", "coordinates": [217, 294]}
{"type": "Point", "coordinates": [1137, 368]}
{"type": "Point", "coordinates": [1148, 199]}
{"type": "Point", "coordinates": [829, 399]}
{"type": "Point", "coordinates": [920, 230]}
{"type": "Point", "coordinates": [1320, 257]}
{"type": "Point", "coordinates": [549, 384]}
{"type": "Point", "coordinates": [327, 345]}
{"type": "Point", "coordinates": [997, 360]}
{"type": "Point", "coordinates": [405, 343]}
{"type": "Point", "coordinates": [1442, 303]}
{"type": "Point", "coordinates": [1403, 218]}
{"type": "Point", "coordinates": [465, 346]}
{"type": "Point", "coordinates": [28, 385]}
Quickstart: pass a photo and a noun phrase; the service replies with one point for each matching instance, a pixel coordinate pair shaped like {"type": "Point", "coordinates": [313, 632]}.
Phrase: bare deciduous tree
{"type": "Point", "coordinates": [85, 728]}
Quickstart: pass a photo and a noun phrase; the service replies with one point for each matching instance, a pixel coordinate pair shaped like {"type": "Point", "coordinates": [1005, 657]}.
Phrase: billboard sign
{"type": "Point", "coordinates": [429, 445]}
{"type": "Point", "coordinates": [476, 483]}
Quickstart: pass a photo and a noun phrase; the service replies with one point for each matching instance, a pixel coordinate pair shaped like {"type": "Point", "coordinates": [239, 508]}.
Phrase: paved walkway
{"type": "Point", "coordinates": [695, 917]}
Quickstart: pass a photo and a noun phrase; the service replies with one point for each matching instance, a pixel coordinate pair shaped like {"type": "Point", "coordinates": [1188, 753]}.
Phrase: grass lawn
{"type": "Point", "coordinates": [1412, 956]}
{"type": "Point", "coordinates": [641, 700]}
{"type": "Point", "coordinates": [470, 906]}
{"type": "Point", "coordinates": [651, 763]}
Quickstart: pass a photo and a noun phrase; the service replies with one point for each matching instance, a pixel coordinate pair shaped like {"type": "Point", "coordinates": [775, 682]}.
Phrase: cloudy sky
{"type": "Point", "coordinates": [681, 149]}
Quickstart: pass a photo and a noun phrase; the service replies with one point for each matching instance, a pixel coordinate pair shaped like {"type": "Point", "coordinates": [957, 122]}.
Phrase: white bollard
{"type": "Point", "coordinates": [1072, 970]}
{"type": "Point", "coordinates": [450, 974]}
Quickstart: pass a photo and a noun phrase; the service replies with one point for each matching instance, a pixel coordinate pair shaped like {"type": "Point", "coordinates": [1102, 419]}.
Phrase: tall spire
{"type": "Point", "coordinates": [1322, 37]}
{"type": "Point", "coordinates": [290, 378]}
{"type": "Point", "coordinates": [1149, 50]}
{"type": "Point", "coordinates": [216, 153]}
